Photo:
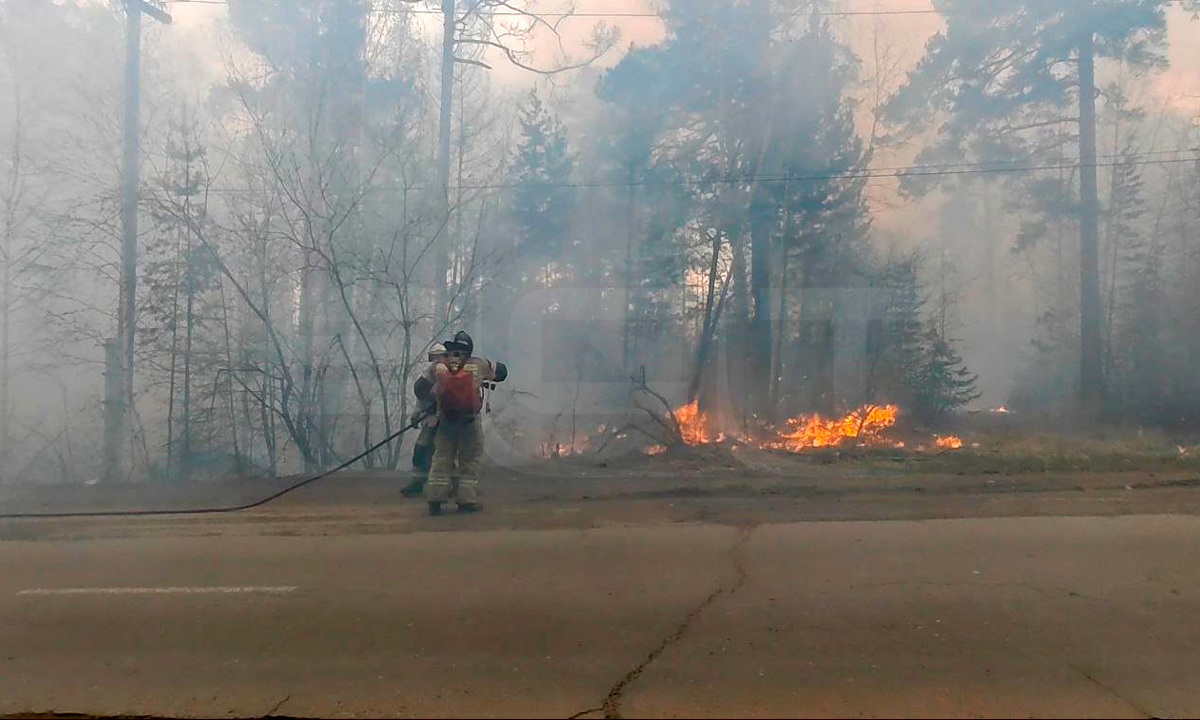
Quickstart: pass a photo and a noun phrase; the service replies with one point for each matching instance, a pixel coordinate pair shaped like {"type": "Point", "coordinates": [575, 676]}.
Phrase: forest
{"type": "Point", "coordinates": [766, 219]}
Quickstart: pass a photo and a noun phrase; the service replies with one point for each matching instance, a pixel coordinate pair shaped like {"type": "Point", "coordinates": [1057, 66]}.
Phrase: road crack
{"type": "Point", "coordinates": [612, 702]}
{"type": "Point", "coordinates": [272, 711]}
{"type": "Point", "coordinates": [1112, 691]}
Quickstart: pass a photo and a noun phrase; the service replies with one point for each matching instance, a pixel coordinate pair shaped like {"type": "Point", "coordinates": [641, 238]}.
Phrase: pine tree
{"type": "Point", "coordinates": [543, 202]}
{"type": "Point", "coordinates": [1014, 81]}
{"type": "Point", "coordinates": [768, 95]}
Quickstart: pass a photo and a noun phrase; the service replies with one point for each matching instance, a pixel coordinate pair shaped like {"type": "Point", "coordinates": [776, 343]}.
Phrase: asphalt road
{"type": "Point", "coordinates": [320, 612]}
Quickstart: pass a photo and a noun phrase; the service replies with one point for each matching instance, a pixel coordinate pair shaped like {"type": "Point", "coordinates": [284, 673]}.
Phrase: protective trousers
{"type": "Point", "coordinates": [422, 459]}
{"type": "Point", "coordinates": [458, 452]}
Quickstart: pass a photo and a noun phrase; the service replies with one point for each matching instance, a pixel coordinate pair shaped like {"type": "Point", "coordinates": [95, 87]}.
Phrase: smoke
{"type": "Point", "coordinates": [754, 207]}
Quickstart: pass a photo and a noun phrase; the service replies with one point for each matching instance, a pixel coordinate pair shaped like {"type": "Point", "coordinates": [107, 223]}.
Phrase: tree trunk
{"type": "Point", "coordinates": [992, 313]}
{"type": "Point", "coordinates": [307, 407]}
{"type": "Point", "coordinates": [6, 350]}
{"type": "Point", "coordinates": [233, 427]}
{"type": "Point", "coordinates": [189, 321]}
{"type": "Point", "coordinates": [738, 335]}
{"type": "Point", "coordinates": [708, 327]}
{"type": "Point", "coordinates": [1091, 369]}
{"type": "Point", "coordinates": [758, 341]}
{"type": "Point", "coordinates": [780, 320]}
{"type": "Point", "coordinates": [405, 372]}
{"type": "Point", "coordinates": [268, 386]}
{"type": "Point", "coordinates": [627, 281]}
{"type": "Point", "coordinates": [12, 197]}
{"type": "Point", "coordinates": [816, 333]}
{"type": "Point", "coordinates": [174, 362]}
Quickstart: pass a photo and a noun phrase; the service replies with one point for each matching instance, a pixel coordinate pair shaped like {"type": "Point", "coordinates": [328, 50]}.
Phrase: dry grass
{"type": "Point", "coordinates": [1008, 448]}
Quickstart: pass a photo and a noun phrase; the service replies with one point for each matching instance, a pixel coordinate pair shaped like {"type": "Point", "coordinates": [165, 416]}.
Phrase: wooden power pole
{"type": "Point", "coordinates": [119, 400]}
{"type": "Point", "coordinates": [1091, 375]}
{"type": "Point", "coordinates": [441, 263]}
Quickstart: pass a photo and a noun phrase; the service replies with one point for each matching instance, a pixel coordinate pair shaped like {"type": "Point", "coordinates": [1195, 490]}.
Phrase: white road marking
{"type": "Point", "coordinates": [278, 590]}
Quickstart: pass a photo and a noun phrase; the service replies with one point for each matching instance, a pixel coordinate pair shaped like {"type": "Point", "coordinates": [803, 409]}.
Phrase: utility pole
{"type": "Point", "coordinates": [1091, 376]}
{"type": "Point", "coordinates": [117, 409]}
{"type": "Point", "coordinates": [441, 265]}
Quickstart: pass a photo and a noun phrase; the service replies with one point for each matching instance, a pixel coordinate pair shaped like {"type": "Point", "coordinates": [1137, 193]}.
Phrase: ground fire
{"type": "Point", "coordinates": [863, 427]}
{"type": "Point", "coordinates": [866, 426]}
{"type": "Point", "coordinates": [576, 446]}
{"type": "Point", "coordinates": [695, 427]}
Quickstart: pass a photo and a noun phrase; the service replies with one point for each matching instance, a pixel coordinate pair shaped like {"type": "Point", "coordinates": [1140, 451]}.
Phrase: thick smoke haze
{"type": "Point", "coordinates": [765, 208]}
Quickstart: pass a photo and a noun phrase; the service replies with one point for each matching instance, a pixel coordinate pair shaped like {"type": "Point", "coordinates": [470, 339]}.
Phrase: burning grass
{"type": "Point", "coordinates": [864, 427]}
{"type": "Point", "coordinates": [869, 426]}
{"type": "Point", "coordinates": [948, 442]}
{"type": "Point", "coordinates": [877, 438]}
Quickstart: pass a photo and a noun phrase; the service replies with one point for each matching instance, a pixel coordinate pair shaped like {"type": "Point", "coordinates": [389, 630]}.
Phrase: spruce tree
{"type": "Point", "coordinates": [943, 382]}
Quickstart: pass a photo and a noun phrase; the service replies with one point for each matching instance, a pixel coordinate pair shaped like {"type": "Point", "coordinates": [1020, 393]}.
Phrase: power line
{"type": "Point", "coordinates": [598, 15]}
{"type": "Point", "coordinates": [630, 15]}
{"type": "Point", "coordinates": [879, 173]}
{"type": "Point", "coordinates": [1025, 162]}
{"type": "Point", "coordinates": [900, 173]}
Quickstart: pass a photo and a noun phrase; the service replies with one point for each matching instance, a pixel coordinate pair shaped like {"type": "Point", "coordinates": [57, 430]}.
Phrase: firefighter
{"type": "Point", "coordinates": [458, 448]}
{"type": "Point", "coordinates": [422, 458]}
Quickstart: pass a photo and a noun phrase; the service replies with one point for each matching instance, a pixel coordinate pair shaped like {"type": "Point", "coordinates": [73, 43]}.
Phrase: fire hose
{"type": "Point", "coordinates": [416, 420]}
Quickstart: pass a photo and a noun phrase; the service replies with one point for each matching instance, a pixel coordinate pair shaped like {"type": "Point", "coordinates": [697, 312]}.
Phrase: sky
{"type": "Point", "coordinates": [201, 40]}
{"type": "Point", "coordinates": [1179, 87]}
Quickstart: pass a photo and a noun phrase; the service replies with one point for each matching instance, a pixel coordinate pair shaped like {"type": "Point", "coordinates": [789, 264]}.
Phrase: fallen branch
{"type": "Point", "coordinates": [674, 428]}
{"type": "Point", "coordinates": [626, 428]}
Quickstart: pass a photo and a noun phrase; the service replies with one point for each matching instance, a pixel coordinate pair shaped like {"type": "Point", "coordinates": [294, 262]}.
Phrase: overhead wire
{"type": "Point", "coordinates": [616, 15]}
{"type": "Point", "coordinates": [898, 172]}
{"type": "Point", "coordinates": [627, 15]}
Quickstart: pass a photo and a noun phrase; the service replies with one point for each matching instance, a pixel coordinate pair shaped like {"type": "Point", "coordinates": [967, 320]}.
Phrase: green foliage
{"type": "Point", "coordinates": [942, 383]}
{"type": "Point", "coordinates": [999, 84]}
{"type": "Point", "coordinates": [321, 38]}
{"type": "Point", "coordinates": [999, 70]}
{"type": "Point", "coordinates": [1048, 378]}
{"type": "Point", "coordinates": [176, 263]}
{"type": "Point", "coordinates": [1138, 368]}
{"type": "Point", "coordinates": [895, 345]}
{"type": "Point", "coordinates": [910, 361]}
{"type": "Point", "coordinates": [544, 201]}
{"type": "Point", "coordinates": [737, 100]}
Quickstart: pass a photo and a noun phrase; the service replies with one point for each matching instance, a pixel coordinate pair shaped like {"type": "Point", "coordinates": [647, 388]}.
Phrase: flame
{"type": "Point", "coordinates": [557, 449]}
{"type": "Point", "coordinates": [656, 449]}
{"type": "Point", "coordinates": [865, 426]}
{"type": "Point", "coordinates": [695, 427]}
{"type": "Point", "coordinates": [1002, 410]}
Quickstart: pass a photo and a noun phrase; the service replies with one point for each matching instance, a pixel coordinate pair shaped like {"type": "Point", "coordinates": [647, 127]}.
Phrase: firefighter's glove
{"type": "Point", "coordinates": [423, 389]}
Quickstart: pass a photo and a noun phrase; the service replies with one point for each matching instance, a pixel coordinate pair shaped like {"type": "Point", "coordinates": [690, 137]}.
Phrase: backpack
{"type": "Point", "coordinates": [459, 394]}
